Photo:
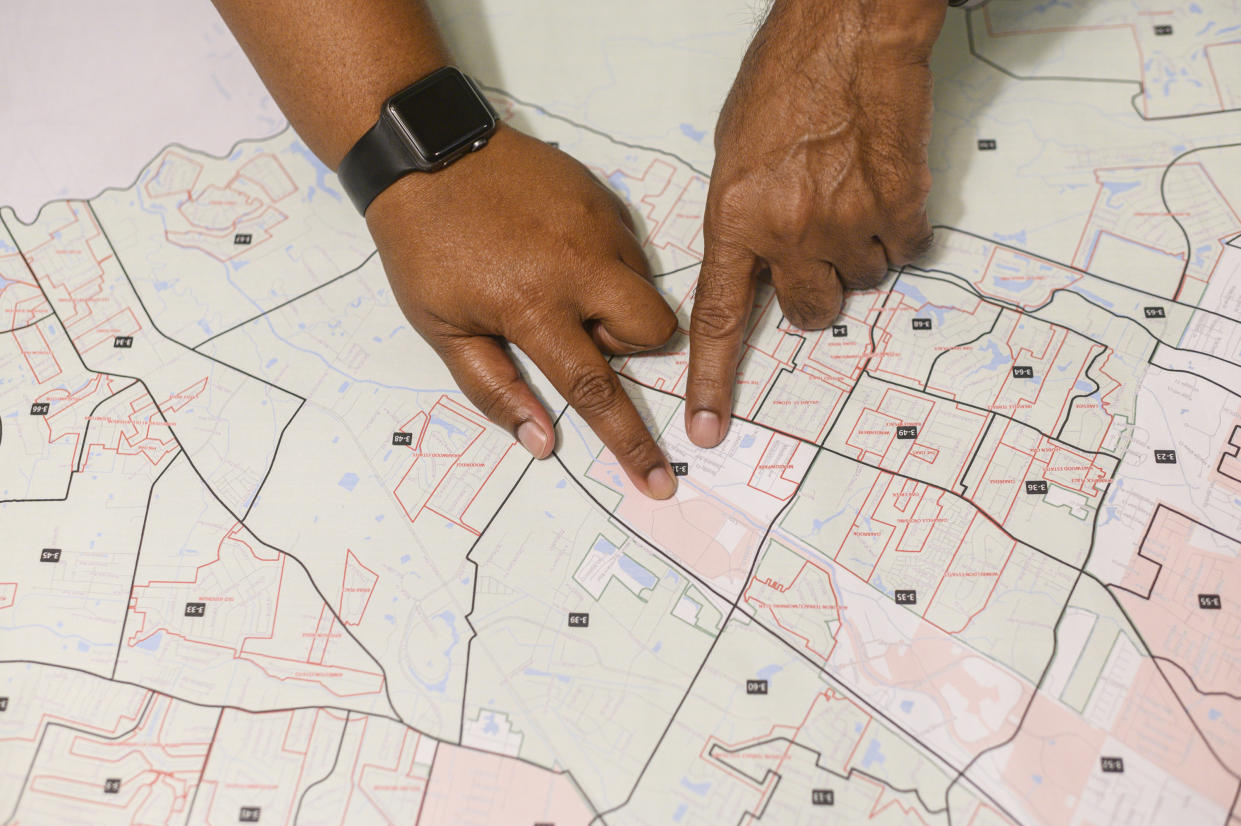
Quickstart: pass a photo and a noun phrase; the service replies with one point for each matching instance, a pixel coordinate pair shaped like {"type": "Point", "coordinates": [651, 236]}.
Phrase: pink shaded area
{"type": "Point", "coordinates": [1062, 749]}
{"type": "Point", "coordinates": [474, 788]}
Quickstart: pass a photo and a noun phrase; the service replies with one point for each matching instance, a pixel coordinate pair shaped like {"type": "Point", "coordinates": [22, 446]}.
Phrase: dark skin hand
{"type": "Point", "coordinates": [515, 244]}
{"type": "Point", "coordinates": [820, 179]}
{"type": "Point", "coordinates": [820, 176]}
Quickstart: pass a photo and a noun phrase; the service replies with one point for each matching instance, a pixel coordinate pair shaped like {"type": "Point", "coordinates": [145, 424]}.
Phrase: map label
{"type": "Point", "coordinates": [921, 323]}
{"type": "Point", "coordinates": [243, 238]}
{"type": "Point", "coordinates": [909, 597]}
{"type": "Point", "coordinates": [39, 408]}
{"type": "Point", "coordinates": [680, 468]}
{"type": "Point", "coordinates": [50, 555]}
{"type": "Point", "coordinates": [195, 609]}
{"type": "Point", "coordinates": [1036, 486]}
{"type": "Point", "coordinates": [402, 438]}
{"type": "Point", "coordinates": [579, 620]}
{"type": "Point", "coordinates": [1023, 371]}
{"type": "Point", "coordinates": [1165, 457]}
{"type": "Point", "coordinates": [823, 797]}
{"type": "Point", "coordinates": [112, 785]}
{"type": "Point", "coordinates": [840, 330]}
{"type": "Point", "coordinates": [4, 703]}
{"type": "Point", "coordinates": [906, 431]}
{"type": "Point", "coordinates": [1211, 602]}
{"type": "Point", "coordinates": [123, 342]}
{"type": "Point", "coordinates": [1153, 312]}
{"type": "Point", "coordinates": [1112, 764]}
{"type": "Point", "coordinates": [986, 144]}
{"type": "Point", "coordinates": [1163, 30]}
{"type": "Point", "coordinates": [755, 686]}
{"type": "Point", "coordinates": [249, 814]}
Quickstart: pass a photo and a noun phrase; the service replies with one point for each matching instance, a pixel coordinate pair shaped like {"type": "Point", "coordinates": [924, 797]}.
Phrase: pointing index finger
{"type": "Point", "coordinates": [722, 302]}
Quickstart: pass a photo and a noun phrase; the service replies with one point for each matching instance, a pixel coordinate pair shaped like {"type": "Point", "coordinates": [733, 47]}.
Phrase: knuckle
{"type": "Point", "coordinates": [593, 393]}
{"type": "Point", "coordinates": [713, 320]}
{"type": "Point", "coordinates": [493, 400]}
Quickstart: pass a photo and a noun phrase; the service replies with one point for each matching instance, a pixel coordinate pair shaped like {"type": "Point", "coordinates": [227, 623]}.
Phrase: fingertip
{"type": "Point", "coordinates": [535, 439]}
{"type": "Point", "coordinates": [660, 483]}
{"type": "Point", "coordinates": [705, 428]}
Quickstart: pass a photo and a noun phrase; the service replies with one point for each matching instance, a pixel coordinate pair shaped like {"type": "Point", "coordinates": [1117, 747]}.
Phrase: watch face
{"type": "Point", "coordinates": [442, 113]}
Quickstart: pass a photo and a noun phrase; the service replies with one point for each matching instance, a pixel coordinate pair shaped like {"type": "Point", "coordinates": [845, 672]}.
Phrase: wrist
{"type": "Point", "coordinates": [883, 30]}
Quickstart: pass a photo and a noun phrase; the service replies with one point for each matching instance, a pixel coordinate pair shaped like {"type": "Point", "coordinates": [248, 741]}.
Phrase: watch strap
{"type": "Point", "coordinates": [375, 161]}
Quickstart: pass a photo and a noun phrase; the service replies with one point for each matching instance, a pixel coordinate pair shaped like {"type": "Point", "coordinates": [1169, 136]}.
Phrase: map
{"type": "Point", "coordinates": [968, 556]}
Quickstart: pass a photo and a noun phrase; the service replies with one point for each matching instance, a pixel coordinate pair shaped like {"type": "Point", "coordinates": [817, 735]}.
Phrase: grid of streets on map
{"type": "Point", "coordinates": [967, 556]}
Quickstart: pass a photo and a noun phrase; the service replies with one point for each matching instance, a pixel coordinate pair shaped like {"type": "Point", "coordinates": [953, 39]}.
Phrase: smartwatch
{"type": "Point", "coordinates": [422, 128]}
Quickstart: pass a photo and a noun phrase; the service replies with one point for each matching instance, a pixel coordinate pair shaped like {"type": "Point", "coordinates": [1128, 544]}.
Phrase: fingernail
{"type": "Point", "coordinates": [532, 438]}
{"type": "Point", "coordinates": [704, 428]}
{"type": "Point", "coordinates": [660, 483]}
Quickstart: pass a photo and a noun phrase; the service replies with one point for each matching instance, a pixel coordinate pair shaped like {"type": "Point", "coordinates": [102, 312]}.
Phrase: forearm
{"type": "Point", "coordinates": [330, 64]}
{"type": "Point", "coordinates": [902, 29]}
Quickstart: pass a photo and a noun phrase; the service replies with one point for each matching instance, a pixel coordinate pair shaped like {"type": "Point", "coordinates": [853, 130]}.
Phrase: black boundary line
{"type": "Point", "coordinates": [1133, 101]}
{"type": "Point", "coordinates": [287, 301]}
{"type": "Point", "coordinates": [21, 791]}
{"type": "Point", "coordinates": [34, 323]}
{"type": "Point", "coordinates": [818, 757]}
{"type": "Point", "coordinates": [301, 798]}
{"type": "Point", "coordinates": [930, 371]}
{"type": "Point", "coordinates": [207, 486]}
{"type": "Point", "coordinates": [116, 256]}
{"type": "Point", "coordinates": [202, 773]}
{"type": "Point", "coordinates": [1097, 388]}
{"type": "Point", "coordinates": [1163, 197]}
{"type": "Point", "coordinates": [79, 462]}
{"type": "Point", "coordinates": [1076, 269]}
{"type": "Point", "coordinates": [1234, 441]}
{"type": "Point", "coordinates": [274, 453]}
{"type": "Point", "coordinates": [1193, 682]}
{"type": "Point", "coordinates": [146, 515]}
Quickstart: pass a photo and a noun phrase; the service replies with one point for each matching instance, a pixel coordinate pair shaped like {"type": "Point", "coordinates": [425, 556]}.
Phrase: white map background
{"type": "Point", "coordinates": [226, 596]}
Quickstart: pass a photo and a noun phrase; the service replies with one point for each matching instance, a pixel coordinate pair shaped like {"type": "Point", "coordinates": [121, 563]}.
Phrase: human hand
{"type": "Point", "coordinates": [820, 176]}
{"type": "Point", "coordinates": [520, 243]}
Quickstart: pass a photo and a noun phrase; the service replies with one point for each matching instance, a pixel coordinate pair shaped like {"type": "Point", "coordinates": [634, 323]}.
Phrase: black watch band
{"type": "Point", "coordinates": [378, 159]}
{"type": "Point", "coordinates": [422, 128]}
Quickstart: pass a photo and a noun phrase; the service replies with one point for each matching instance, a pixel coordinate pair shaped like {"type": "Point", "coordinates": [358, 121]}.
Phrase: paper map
{"type": "Point", "coordinates": [968, 556]}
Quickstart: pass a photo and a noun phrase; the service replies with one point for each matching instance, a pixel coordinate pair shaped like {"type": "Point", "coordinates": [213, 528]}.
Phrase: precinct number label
{"type": "Point", "coordinates": [243, 238]}
{"type": "Point", "coordinates": [1211, 602]}
{"type": "Point", "coordinates": [921, 323]}
{"type": "Point", "coordinates": [1154, 312]}
{"type": "Point", "coordinates": [123, 342]}
{"type": "Point", "coordinates": [1036, 486]}
{"type": "Point", "coordinates": [195, 609]}
{"type": "Point", "coordinates": [40, 408]}
{"type": "Point", "coordinates": [250, 814]}
{"type": "Point", "coordinates": [1165, 457]}
{"type": "Point", "coordinates": [1112, 765]}
{"type": "Point", "coordinates": [823, 797]}
{"type": "Point", "coordinates": [680, 468]}
{"type": "Point", "coordinates": [906, 431]}
{"type": "Point", "coordinates": [579, 620]}
{"type": "Point", "coordinates": [1023, 371]}
{"type": "Point", "coordinates": [1163, 30]}
{"type": "Point", "coordinates": [986, 144]}
{"type": "Point", "coordinates": [112, 785]}
{"type": "Point", "coordinates": [840, 330]}
{"type": "Point", "coordinates": [4, 703]}
{"type": "Point", "coordinates": [909, 597]}
{"type": "Point", "coordinates": [49, 555]}
{"type": "Point", "coordinates": [755, 686]}
{"type": "Point", "coordinates": [402, 438]}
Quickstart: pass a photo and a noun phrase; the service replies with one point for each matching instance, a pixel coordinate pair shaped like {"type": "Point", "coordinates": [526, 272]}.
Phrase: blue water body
{"type": "Point", "coordinates": [688, 130]}
{"type": "Point", "coordinates": [874, 754]}
{"type": "Point", "coordinates": [642, 576]}
{"type": "Point", "coordinates": [349, 481]}
{"type": "Point", "coordinates": [769, 671]}
{"type": "Point", "coordinates": [603, 546]}
{"type": "Point", "coordinates": [697, 788]}
{"type": "Point", "coordinates": [152, 643]}
{"type": "Point", "coordinates": [680, 813]}
{"type": "Point", "coordinates": [907, 706]}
